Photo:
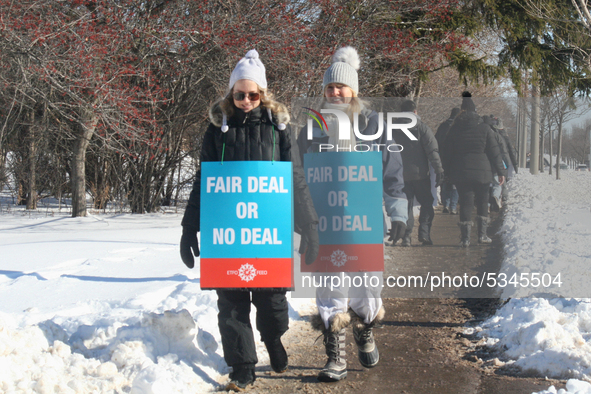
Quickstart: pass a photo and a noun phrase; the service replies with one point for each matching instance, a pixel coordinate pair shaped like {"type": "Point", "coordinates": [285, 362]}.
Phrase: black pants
{"type": "Point", "coordinates": [470, 194]}
{"type": "Point", "coordinates": [420, 189]}
{"type": "Point", "coordinates": [234, 322]}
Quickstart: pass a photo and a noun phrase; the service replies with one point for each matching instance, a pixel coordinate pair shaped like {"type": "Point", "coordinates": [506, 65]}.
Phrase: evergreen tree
{"type": "Point", "coordinates": [550, 45]}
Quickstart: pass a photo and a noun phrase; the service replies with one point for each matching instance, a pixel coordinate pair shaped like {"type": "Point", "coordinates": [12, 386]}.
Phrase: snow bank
{"type": "Point", "coordinates": [550, 337]}
{"type": "Point", "coordinates": [572, 386]}
{"type": "Point", "coordinates": [162, 352]}
{"type": "Point", "coordinates": [547, 228]}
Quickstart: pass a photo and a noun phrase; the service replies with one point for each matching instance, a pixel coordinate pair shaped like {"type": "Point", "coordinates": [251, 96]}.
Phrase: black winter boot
{"type": "Point", "coordinates": [482, 226]}
{"type": "Point", "coordinates": [241, 376]}
{"type": "Point", "coordinates": [465, 228]}
{"type": "Point", "coordinates": [425, 234]}
{"type": "Point", "coordinates": [405, 240]}
{"type": "Point", "coordinates": [336, 366]}
{"type": "Point", "coordinates": [277, 355]}
{"type": "Point", "coordinates": [334, 344]}
{"type": "Point", "coordinates": [367, 350]}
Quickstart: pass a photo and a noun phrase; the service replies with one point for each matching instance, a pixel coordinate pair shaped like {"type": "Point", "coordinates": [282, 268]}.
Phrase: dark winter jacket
{"type": "Point", "coordinates": [417, 155]}
{"type": "Point", "coordinates": [502, 147]}
{"type": "Point", "coordinates": [442, 131]}
{"type": "Point", "coordinates": [509, 148]}
{"type": "Point", "coordinates": [471, 152]}
{"type": "Point", "coordinates": [441, 135]}
{"type": "Point", "coordinates": [253, 136]}
{"type": "Point", "coordinates": [392, 167]}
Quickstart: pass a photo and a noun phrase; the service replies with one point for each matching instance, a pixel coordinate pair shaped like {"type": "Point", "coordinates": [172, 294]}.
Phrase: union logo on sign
{"type": "Point", "coordinates": [247, 272]}
{"type": "Point", "coordinates": [338, 258]}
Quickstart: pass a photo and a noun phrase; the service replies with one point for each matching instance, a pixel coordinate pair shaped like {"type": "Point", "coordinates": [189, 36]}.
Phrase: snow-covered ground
{"type": "Point", "coordinates": [103, 303]}
{"type": "Point", "coordinates": [547, 228]}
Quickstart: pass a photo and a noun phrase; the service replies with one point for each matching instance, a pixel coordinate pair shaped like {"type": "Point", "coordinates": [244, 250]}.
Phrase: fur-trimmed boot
{"type": "Point", "coordinates": [465, 229]}
{"type": "Point", "coordinates": [367, 350]}
{"type": "Point", "coordinates": [335, 368]}
{"type": "Point", "coordinates": [482, 226]}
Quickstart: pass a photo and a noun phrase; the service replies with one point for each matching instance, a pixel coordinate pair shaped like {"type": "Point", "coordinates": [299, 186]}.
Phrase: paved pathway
{"type": "Point", "coordinates": [422, 346]}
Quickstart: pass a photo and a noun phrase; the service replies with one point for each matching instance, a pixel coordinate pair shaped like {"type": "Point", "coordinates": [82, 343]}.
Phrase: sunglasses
{"type": "Point", "coordinates": [239, 96]}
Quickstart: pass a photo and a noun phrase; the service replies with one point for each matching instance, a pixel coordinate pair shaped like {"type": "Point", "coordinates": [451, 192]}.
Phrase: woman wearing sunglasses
{"type": "Point", "coordinates": [248, 125]}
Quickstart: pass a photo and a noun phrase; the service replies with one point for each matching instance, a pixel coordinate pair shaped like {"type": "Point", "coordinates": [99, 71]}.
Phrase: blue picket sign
{"type": "Point", "coordinates": [246, 209]}
{"type": "Point", "coordinates": [346, 188]}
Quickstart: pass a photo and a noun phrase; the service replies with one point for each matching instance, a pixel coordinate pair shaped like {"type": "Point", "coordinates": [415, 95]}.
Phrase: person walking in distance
{"type": "Point", "coordinates": [449, 193]}
{"type": "Point", "coordinates": [416, 157]}
{"type": "Point", "coordinates": [248, 124]}
{"type": "Point", "coordinates": [498, 192]}
{"type": "Point", "coordinates": [471, 154]}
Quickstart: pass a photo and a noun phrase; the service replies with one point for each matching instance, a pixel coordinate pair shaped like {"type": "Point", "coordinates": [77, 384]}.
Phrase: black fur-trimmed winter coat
{"type": "Point", "coordinates": [471, 152]}
{"type": "Point", "coordinates": [253, 136]}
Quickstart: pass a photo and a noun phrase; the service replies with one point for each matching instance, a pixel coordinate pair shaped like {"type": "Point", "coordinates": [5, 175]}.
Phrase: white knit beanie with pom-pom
{"type": "Point", "coordinates": [343, 70]}
{"type": "Point", "coordinates": [249, 67]}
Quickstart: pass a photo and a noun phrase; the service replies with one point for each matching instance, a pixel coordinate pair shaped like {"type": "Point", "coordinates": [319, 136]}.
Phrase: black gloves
{"type": "Point", "coordinates": [188, 242]}
{"type": "Point", "coordinates": [310, 243]}
{"type": "Point", "coordinates": [396, 231]}
{"type": "Point", "coordinates": [439, 179]}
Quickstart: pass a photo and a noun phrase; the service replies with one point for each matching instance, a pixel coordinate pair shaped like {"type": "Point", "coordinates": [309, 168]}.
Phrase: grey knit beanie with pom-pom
{"type": "Point", "coordinates": [343, 70]}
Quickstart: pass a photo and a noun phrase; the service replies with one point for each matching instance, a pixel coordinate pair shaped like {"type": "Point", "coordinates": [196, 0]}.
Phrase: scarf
{"type": "Point", "coordinates": [344, 145]}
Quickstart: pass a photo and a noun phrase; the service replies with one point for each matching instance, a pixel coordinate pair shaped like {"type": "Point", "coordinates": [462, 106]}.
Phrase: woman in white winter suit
{"type": "Point", "coordinates": [360, 307]}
